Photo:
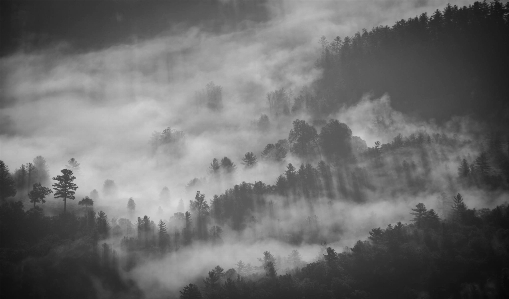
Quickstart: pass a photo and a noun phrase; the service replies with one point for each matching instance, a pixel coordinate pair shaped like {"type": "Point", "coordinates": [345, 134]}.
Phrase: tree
{"type": "Point", "coordinates": [87, 202]}
{"type": "Point", "coordinates": [214, 96]}
{"type": "Point", "coordinates": [201, 209]}
{"type": "Point", "coordinates": [227, 165]}
{"type": "Point", "coordinates": [38, 193]}
{"type": "Point", "coordinates": [276, 152]}
{"type": "Point", "coordinates": [482, 166]}
{"type": "Point", "coordinates": [7, 183]}
{"type": "Point", "coordinates": [20, 175]}
{"type": "Point", "coordinates": [214, 166]}
{"type": "Point", "coordinates": [131, 205]}
{"type": "Point", "coordinates": [464, 170]}
{"type": "Point", "coordinates": [163, 236]}
{"type": "Point", "coordinates": [64, 187]}
{"type": "Point", "coordinates": [187, 233]}
{"type": "Point", "coordinates": [31, 174]}
{"type": "Point", "coordinates": [263, 123]}
{"type": "Point", "coordinates": [73, 165]}
{"type": "Point", "coordinates": [249, 160]}
{"type": "Point", "coordinates": [419, 213]}
{"type": "Point", "coordinates": [458, 208]}
{"type": "Point", "coordinates": [303, 139]}
{"type": "Point", "coordinates": [335, 140]}
{"type": "Point", "coordinates": [212, 285]}
{"type": "Point", "coordinates": [190, 291]}
{"type": "Point", "coordinates": [102, 224]}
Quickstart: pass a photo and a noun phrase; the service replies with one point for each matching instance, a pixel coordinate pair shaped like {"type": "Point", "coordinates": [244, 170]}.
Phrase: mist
{"type": "Point", "coordinates": [108, 105]}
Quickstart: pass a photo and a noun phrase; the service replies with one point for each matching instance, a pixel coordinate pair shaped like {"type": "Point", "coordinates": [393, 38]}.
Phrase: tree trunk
{"type": "Point", "coordinates": [65, 202]}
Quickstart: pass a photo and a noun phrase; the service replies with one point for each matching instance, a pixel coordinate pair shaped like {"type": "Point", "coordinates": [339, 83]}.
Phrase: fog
{"type": "Point", "coordinates": [102, 106]}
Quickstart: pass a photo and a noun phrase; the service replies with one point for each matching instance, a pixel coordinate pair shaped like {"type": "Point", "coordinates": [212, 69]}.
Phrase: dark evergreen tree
{"type": "Point", "coordinates": [227, 165]}
{"type": "Point", "coordinates": [73, 165]}
{"type": "Point", "coordinates": [7, 183]}
{"type": "Point", "coordinates": [163, 236]}
{"type": "Point", "coordinates": [419, 214]}
{"type": "Point", "coordinates": [249, 160]}
{"type": "Point", "coordinates": [64, 187]}
{"type": "Point", "coordinates": [190, 291]}
{"type": "Point", "coordinates": [131, 205]}
{"type": "Point", "coordinates": [464, 169]}
{"type": "Point", "coordinates": [103, 226]}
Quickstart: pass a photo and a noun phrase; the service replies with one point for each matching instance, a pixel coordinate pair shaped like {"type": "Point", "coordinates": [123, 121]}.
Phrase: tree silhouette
{"type": "Point", "coordinates": [249, 160]}
{"type": "Point", "coordinates": [131, 205]}
{"type": "Point", "coordinates": [419, 213]}
{"type": "Point", "coordinates": [7, 183]}
{"type": "Point", "coordinates": [335, 140]}
{"type": "Point", "coordinates": [464, 169]}
{"type": "Point", "coordinates": [201, 209]}
{"type": "Point", "coordinates": [38, 193]}
{"type": "Point", "coordinates": [227, 165]}
{"type": "Point", "coordinates": [163, 236]}
{"type": "Point", "coordinates": [73, 165]}
{"type": "Point", "coordinates": [303, 139]}
{"type": "Point", "coordinates": [64, 187]}
{"type": "Point", "coordinates": [214, 166]}
{"type": "Point", "coordinates": [190, 291]}
{"type": "Point", "coordinates": [103, 226]}
{"type": "Point", "coordinates": [87, 202]}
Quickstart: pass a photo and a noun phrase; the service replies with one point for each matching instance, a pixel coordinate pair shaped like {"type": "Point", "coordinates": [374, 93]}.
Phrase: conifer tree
{"type": "Point", "coordinates": [249, 160]}
{"type": "Point", "coordinates": [419, 213]}
{"type": "Point", "coordinates": [64, 187]}
{"type": "Point", "coordinates": [464, 170]}
{"type": "Point", "coordinates": [163, 236]}
{"type": "Point", "coordinates": [7, 183]}
{"type": "Point", "coordinates": [190, 291]}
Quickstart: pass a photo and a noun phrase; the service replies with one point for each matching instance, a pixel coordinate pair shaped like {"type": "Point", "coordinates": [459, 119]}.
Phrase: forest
{"type": "Point", "coordinates": [385, 176]}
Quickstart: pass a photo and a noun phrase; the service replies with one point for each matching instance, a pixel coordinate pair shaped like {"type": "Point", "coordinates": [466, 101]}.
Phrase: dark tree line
{"type": "Point", "coordinates": [453, 62]}
{"type": "Point", "coordinates": [463, 255]}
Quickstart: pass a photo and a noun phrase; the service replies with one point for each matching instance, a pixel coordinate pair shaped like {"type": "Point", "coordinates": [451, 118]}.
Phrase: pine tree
{"type": "Point", "coordinates": [249, 160]}
{"type": "Point", "coordinates": [73, 165]}
{"type": "Point", "coordinates": [419, 213]}
{"type": "Point", "coordinates": [214, 166]}
{"type": "Point", "coordinates": [482, 165]}
{"type": "Point", "coordinates": [458, 208]}
{"type": "Point", "coordinates": [227, 165]}
{"type": "Point", "coordinates": [131, 205]}
{"type": "Point", "coordinates": [64, 187]}
{"type": "Point", "coordinates": [103, 227]}
{"type": "Point", "coordinates": [190, 291]}
{"type": "Point", "coordinates": [7, 183]}
{"type": "Point", "coordinates": [163, 236]}
{"type": "Point", "coordinates": [464, 170]}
